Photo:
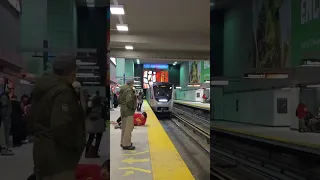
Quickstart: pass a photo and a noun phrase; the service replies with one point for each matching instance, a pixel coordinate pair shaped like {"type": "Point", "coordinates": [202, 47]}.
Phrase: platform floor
{"type": "Point", "coordinates": [205, 106]}
{"type": "Point", "coordinates": [276, 135]}
{"type": "Point", "coordinates": [20, 166]}
{"type": "Point", "coordinates": [155, 157]}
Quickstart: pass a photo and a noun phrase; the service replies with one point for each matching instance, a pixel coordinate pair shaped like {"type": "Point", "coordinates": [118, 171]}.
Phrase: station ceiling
{"type": "Point", "coordinates": [162, 30]}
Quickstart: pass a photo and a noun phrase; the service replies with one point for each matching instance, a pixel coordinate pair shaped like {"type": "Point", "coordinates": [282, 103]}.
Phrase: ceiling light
{"type": "Point", "coordinates": [129, 47]}
{"type": "Point", "coordinates": [122, 27]}
{"type": "Point", "coordinates": [117, 9]}
{"type": "Point", "coordinates": [138, 61]}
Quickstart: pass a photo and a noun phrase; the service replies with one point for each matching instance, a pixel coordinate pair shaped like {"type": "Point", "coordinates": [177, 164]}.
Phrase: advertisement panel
{"type": "Point", "coordinates": [271, 33]}
{"type": "Point", "coordinates": [195, 71]}
{"type": "Point", "coordinates": [205, 72]}
{"type": "Point", "coordinates": [305, 31]}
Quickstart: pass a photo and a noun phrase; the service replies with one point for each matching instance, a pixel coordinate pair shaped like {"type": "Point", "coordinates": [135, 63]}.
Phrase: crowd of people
{"type": "Point", "coordinates": [61, 120]}
{"type": "Point", "coordinates": [13, 121]}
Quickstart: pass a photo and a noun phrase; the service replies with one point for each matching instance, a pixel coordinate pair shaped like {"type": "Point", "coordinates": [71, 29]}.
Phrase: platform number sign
{"type": "Point", "coordinates": [282, 105]}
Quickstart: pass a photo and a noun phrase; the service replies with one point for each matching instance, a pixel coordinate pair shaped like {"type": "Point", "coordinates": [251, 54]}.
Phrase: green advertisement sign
{"type": "Point", "coordinates": [205, 72]}
{"type": "Point", "coordinates": [305, 31]}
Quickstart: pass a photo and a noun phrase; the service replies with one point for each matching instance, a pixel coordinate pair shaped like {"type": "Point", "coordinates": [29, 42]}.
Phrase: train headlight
{"type": "Point", "coordinates": [163, 100]}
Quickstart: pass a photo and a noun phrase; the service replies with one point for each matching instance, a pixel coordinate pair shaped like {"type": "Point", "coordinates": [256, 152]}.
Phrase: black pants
{"type": "Point", "coordinates": [17, 134]}
{"type": "Point", "coordinates": [93, 136]}
{"type": "Point", "coordinates": [139, 106]}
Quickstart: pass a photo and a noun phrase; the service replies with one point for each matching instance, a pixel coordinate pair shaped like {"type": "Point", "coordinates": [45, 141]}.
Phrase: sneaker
{"type": "Point", "coordinates": [6, 152]}
{"type": "Point", "coordinates": [128, 147]}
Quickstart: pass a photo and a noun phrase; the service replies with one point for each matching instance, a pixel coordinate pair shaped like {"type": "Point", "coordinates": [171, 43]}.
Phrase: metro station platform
{"type": "Point", "coordinates": [199, 105]}
{"type": "Point", "coordinates": [20, 166]}
{"type": "Point", "coordinates": [155, 156]}
{"type": "Point", "coordinates": [280, 136]}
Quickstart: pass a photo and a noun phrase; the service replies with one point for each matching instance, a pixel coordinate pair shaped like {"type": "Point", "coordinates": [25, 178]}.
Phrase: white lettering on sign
{"type": "Point", "coordinates": [310, 10]}
{"type": "Point", "coordinates": [15, 4]}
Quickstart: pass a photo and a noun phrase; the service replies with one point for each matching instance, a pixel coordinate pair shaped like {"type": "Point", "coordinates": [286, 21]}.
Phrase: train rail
{"type": "Point", "coordinates": [235, 161]}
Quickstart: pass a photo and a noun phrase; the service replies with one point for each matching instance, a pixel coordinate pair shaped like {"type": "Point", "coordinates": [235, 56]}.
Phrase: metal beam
{"type": "Point", "coordinates": [160, 55]}
{"type": "Point", "coordinates": [57, 50]}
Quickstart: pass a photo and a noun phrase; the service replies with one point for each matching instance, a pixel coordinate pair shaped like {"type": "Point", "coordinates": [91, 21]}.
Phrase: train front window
{"type": "Point", "coordinates": [163, 91]}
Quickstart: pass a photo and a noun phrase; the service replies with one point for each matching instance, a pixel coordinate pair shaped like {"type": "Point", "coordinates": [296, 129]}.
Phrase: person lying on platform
{"type": "Point", "coordinates": [139, 119]}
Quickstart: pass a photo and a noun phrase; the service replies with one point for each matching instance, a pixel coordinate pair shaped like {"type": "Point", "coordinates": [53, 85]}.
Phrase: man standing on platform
{"type": "Point", "coordinates": [58, 123]}
{"type": "Point", "coordinates": [128, 105]}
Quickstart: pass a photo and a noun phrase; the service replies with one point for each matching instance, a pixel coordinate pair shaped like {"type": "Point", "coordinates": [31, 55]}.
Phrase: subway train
{"type": "Point", "coordinates": [160, 96]}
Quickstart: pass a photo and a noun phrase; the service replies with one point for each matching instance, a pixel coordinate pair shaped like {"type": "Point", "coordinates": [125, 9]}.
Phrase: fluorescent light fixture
{"type": "Point", "coordinates": [113, 60]}
{"type": "Point", "coordinates": [174, 63]}
{"type": "Point", "coordinates": [138, 61]}
{"type": "Point", "coordinates": [163, 100]}
{"type": "Point", "coordinates": [219, 83]}
{"type": "Point", "coordinates": [129, 47]}
{"type": "Point", "coordinates": [178, 87]}
{"type": "Point", "coordinates": [122, 27]}
{"type": "Point", "coordinates": [117, 10]}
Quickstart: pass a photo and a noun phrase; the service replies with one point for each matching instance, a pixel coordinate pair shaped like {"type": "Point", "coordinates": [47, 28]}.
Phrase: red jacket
{"type": "Point", "coordinates": [302, 111]}
{"type": "Point", "coordinates": [88, 172]}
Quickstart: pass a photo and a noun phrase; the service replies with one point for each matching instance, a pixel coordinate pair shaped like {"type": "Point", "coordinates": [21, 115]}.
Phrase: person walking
{"type": "Point", "coordinates": [111, 100]}
{"type": "Point", "coordinates": [17, 129]}
{"type": "Point", "coordinates": [95, 126]}
{"type": "Point", "coordinates": [139, 101]}
{"type": "Point", "coordinates": [128, 105]}
{"type": "Point", "coordinates": [5, 124]}
{"type": "Point", "coordinates": [58, 123]}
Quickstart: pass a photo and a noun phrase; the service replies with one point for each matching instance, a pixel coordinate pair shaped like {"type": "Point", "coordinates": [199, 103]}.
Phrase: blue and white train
{"type": "Point", "coordinates": [160, 97]}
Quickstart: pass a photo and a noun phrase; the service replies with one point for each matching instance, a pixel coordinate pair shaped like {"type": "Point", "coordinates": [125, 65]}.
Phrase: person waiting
{"type": "Point", "coordinates": [128, 105]}
{"type": "Point", "coordinates": [301, 113]}
{"type": "Point", "coordinates": [95, 126]}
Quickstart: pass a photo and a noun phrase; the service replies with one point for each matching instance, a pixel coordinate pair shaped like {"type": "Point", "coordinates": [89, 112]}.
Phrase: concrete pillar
{"type": "Point", "coordinates": [129, 67]}
{"type": "Point", "coordinates": [120, 69]}
{"type": "Point", "coordinates": [217, 103]}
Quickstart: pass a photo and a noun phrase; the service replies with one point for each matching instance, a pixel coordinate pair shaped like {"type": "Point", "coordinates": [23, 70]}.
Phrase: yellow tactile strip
{"type": "Point", "coordinates": [166, 161]}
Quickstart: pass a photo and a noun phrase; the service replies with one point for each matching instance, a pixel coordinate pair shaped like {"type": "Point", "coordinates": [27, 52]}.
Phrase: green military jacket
{"type": "Point", "coordinates": [58, 126]}
{"type": "Point", "coordinates": [127, 101]}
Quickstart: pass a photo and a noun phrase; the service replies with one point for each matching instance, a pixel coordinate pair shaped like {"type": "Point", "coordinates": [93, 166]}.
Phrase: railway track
{"type": "Point", "coordinates": [230, 161]}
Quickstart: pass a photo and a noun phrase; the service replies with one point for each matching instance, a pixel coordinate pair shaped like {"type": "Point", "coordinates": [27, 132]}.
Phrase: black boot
{"type": "Point", "coordinates": [128, 147]}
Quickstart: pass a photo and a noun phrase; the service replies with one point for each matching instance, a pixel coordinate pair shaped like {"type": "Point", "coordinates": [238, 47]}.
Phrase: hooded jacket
{"type": "Point", "coordinates": [127, 101]}
{"type": "Point", "coordinates": [57, 120]}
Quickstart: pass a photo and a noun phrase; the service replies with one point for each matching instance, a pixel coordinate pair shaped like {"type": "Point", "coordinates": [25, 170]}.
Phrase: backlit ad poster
{"type": "Point", "coordinates": [195, 72]}
{"type": "Point", "coordinates": [305, 32]}
{"type": "Point", "coordinates": [271, 33]}
{"type": "Point", "coordinates": [154, 73]}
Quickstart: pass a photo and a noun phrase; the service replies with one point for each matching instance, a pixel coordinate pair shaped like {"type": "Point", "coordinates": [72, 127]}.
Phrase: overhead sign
{"type": "Point", "coordinates": [310, 62]}
{"type": "Point", "coordinates": [266, 76]}
{"type": "Point", "coordinates": [15, 4]}
{"type": "Point", "coordinates": [156, 66]}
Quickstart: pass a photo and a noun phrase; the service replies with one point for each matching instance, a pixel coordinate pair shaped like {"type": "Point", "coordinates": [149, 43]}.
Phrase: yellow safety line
{"type": "Point", "coordinates": [272, 138]}
{"type": "Point", "coordinates": [166, 161]}
{"type": "Point", "coordinates": [192, 104]}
